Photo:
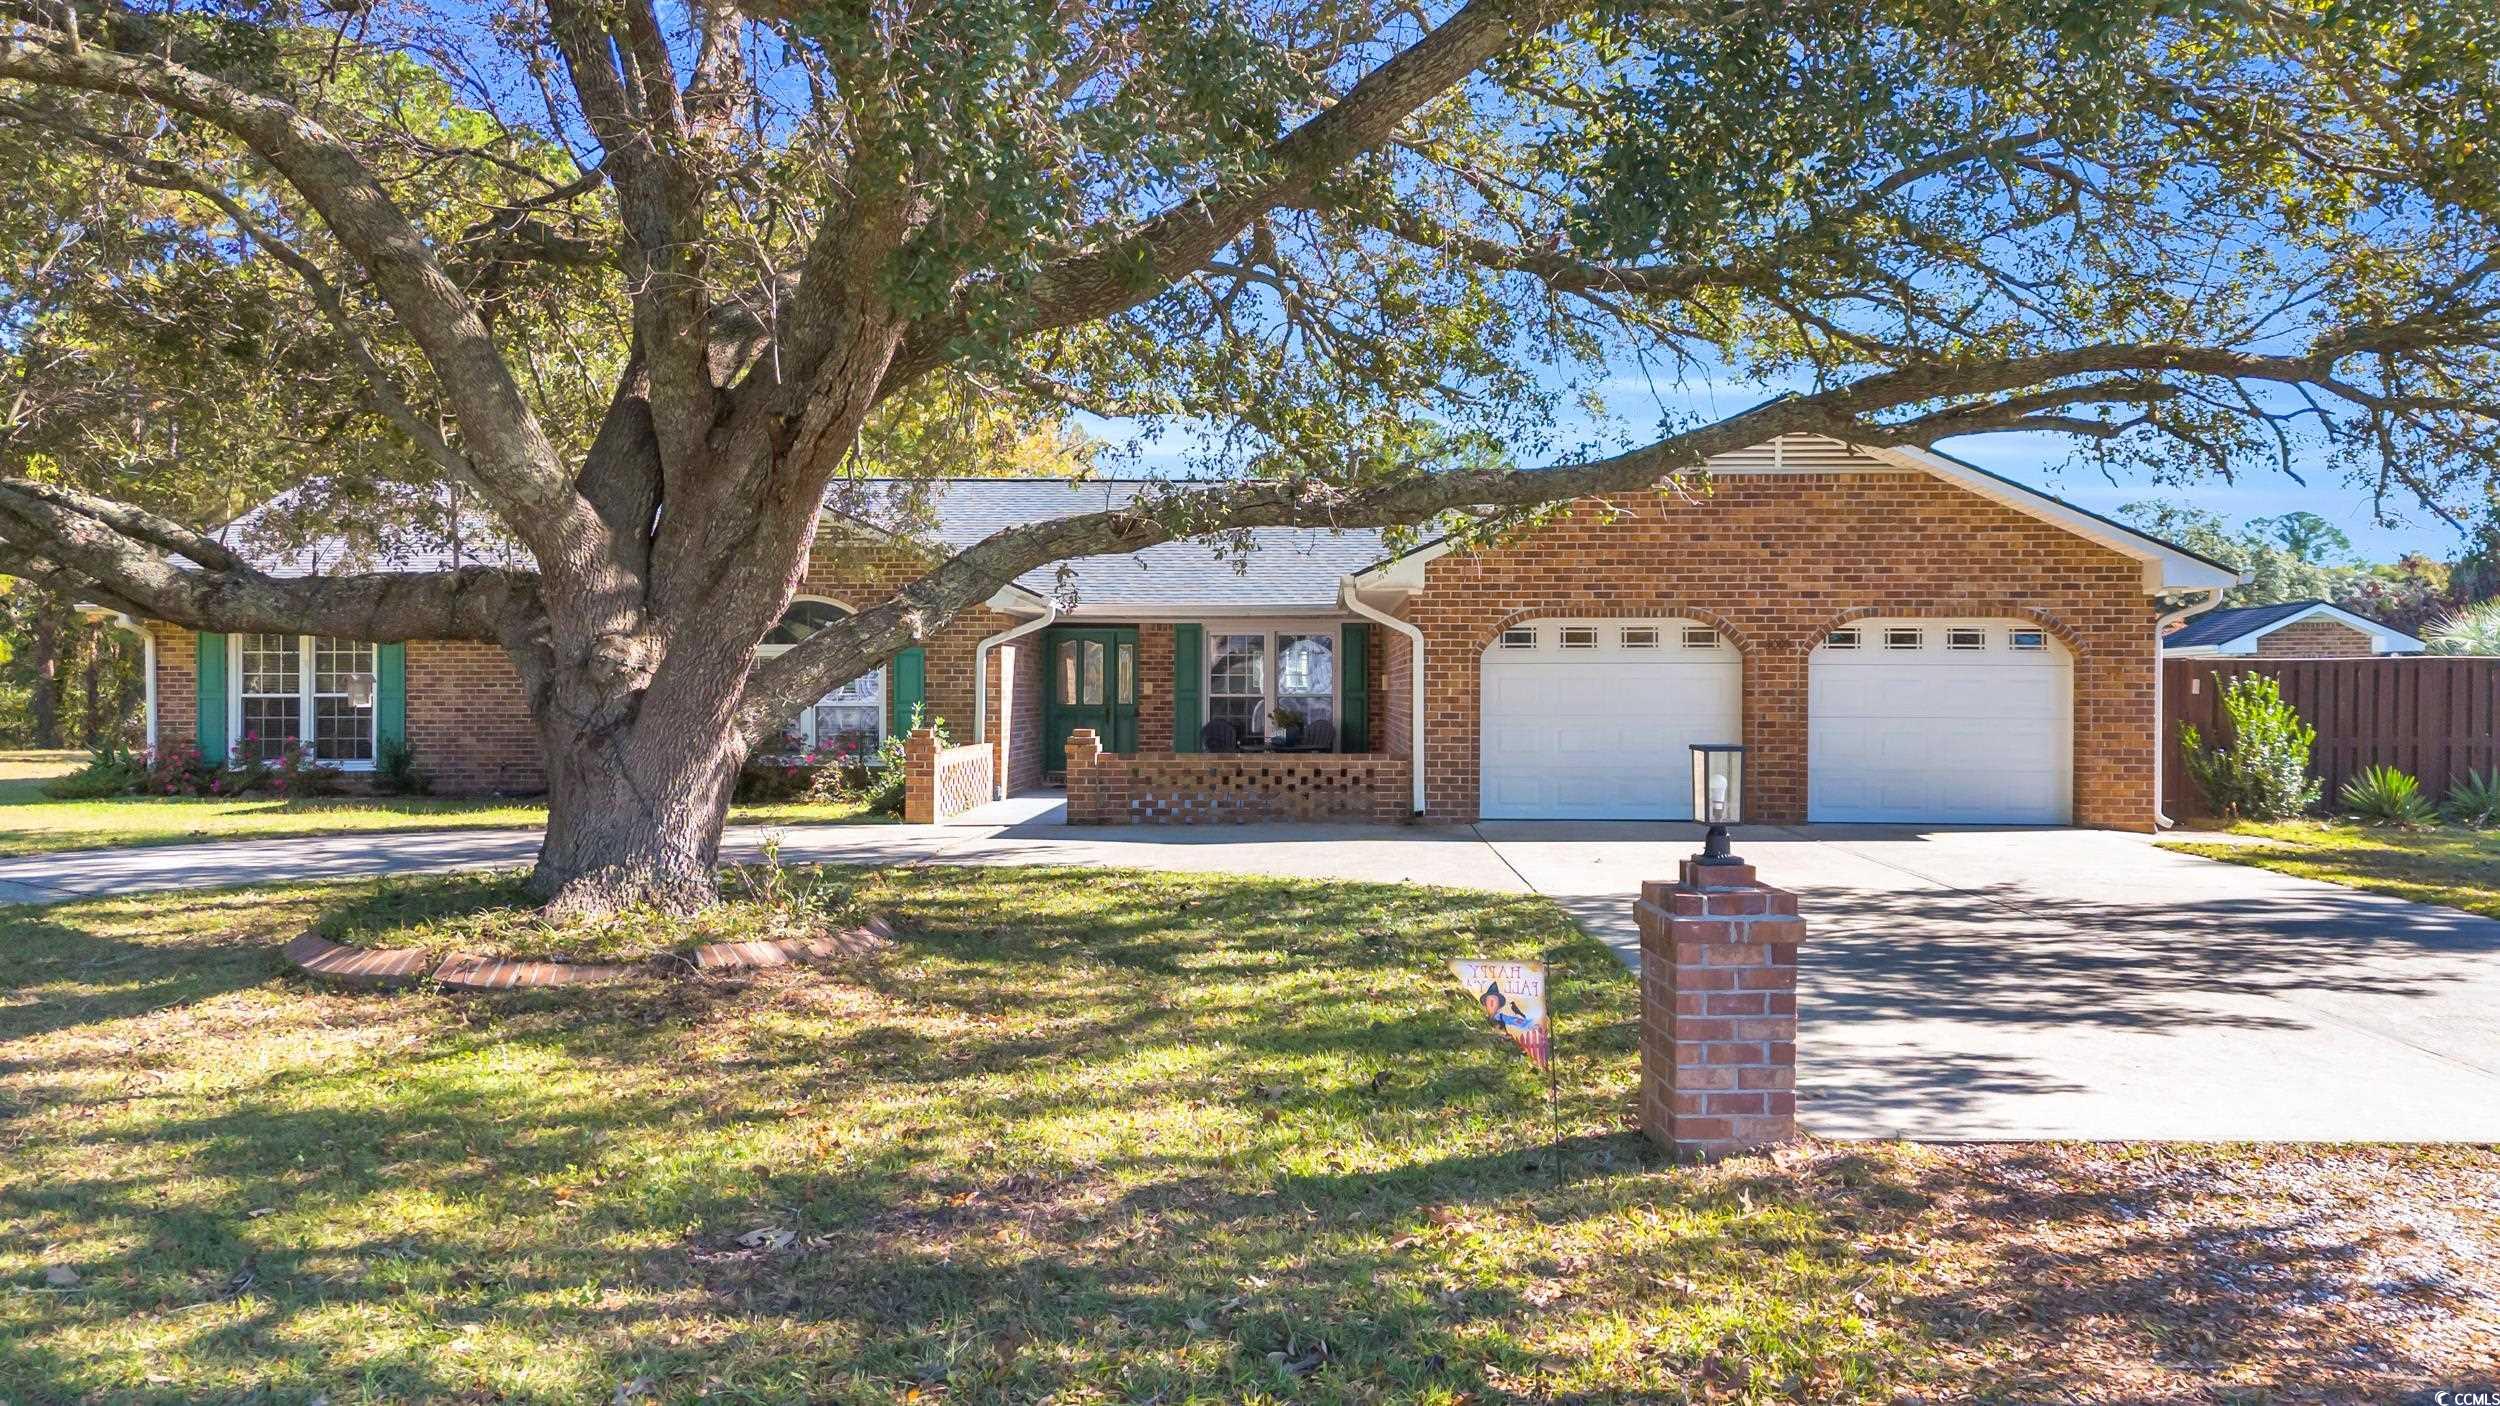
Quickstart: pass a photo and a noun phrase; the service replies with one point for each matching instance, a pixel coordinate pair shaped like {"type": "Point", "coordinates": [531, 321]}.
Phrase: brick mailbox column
{"type": "Point", "coordinates": [1718, 1010]}
{"type": "Point", "coordinates": [920, 751]}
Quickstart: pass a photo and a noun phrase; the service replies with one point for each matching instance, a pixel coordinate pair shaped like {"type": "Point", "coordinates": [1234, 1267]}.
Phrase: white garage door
{"type": "Point", "coordinates": [1594, 719]}
{"type": "Point", "coordinates": [1965, 722]}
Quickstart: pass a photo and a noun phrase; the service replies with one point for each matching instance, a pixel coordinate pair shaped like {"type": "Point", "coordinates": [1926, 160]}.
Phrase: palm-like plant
{"type": "Point", "coordinates": [2475, 629]}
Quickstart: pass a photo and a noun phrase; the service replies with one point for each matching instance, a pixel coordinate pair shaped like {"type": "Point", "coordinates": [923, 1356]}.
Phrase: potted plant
{"type": "Point", "coordinates": [1285, 728]}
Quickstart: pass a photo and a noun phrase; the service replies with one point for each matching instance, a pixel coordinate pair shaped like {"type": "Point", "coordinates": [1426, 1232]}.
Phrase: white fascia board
{"type": "Point", "coordinates": [2166, 568]}
{"type": "Point", "coordinates": [2382, 639]}
{"type": "Point", "coordinates": [1185, 612]}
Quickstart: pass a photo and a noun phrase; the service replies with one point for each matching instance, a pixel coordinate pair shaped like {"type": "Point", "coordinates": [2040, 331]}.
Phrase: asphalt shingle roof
{"type": "Point", "coordinates": [1287, 568]}
{"type": "Point", "coordinates": [2224, 626]}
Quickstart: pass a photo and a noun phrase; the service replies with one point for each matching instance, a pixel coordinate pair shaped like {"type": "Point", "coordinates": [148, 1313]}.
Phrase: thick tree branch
{"type": "Point", "coordinates": [117, 555]}
{"type": "Point", "coordinates": [1126, 269]}
{"type": "Point", "coordinates": [515, 459]}
{"type": "Point", "coordinates": [1945, 398]}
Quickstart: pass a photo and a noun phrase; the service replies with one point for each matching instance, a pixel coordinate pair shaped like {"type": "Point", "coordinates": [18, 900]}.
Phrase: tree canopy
{"type": "Point", "coordinates": [640, 277]}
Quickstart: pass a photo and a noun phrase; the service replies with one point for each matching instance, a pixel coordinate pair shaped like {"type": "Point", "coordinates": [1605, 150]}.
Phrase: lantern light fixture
{"type": "Point", "coordinates": [1718, 796]}
{"type": "Point", "coordinates": [360, 690]}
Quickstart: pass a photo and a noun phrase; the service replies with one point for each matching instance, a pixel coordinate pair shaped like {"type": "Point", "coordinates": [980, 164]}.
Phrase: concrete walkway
{"type": "Point", "coordinates": [1957, 984]}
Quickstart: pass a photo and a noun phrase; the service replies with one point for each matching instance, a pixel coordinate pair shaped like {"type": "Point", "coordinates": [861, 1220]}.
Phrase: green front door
{"type": "Point", "coordinates": [1093, 683]}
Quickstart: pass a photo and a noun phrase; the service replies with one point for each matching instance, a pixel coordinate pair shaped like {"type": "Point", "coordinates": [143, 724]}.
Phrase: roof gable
{"type": "Point", "coordinates": [2220, 629]}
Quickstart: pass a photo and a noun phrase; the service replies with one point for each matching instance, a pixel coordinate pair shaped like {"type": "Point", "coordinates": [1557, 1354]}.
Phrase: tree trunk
{"type": "Point", "coordinates": [638, 790]}
{"type": "Point", "coordinates": [43, 702]}
{"type": "Point", "coordinates": [91, 675]}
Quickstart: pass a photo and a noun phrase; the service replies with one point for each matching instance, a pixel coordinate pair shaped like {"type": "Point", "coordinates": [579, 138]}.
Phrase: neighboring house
{"type": "Point", "coordinates": [2299, 629]}
{"type": "Point", "coordinates": [1895, 636]}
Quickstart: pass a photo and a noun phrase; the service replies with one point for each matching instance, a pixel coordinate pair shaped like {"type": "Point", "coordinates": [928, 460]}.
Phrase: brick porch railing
{"type": "Point", "coordinates": [1232, 789]}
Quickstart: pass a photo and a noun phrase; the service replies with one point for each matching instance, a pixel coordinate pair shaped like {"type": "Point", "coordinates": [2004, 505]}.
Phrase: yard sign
{"type": "Point", "coordinates": [1512, 995]}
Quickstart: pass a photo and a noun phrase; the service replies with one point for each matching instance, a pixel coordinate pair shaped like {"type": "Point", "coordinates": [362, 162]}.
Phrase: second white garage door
{"type": "Point", "coordinates": [1595, 719]}
{"type": "Point", "coordinates": [1965, 722]}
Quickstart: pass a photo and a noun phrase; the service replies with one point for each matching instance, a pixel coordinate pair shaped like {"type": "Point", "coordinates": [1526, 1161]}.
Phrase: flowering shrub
{"type": "Point", "coordinates": [817, 776]}
{"type": "Point", "coordinates": [300, 773]}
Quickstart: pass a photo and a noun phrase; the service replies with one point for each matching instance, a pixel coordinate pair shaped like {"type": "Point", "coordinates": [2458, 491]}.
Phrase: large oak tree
{"type": "Point", "coordinates": [637, 275]}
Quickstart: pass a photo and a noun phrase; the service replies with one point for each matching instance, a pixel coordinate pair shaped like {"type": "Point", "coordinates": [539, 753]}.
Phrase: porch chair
{"type": "Point", "coordinates": [1219, 736]}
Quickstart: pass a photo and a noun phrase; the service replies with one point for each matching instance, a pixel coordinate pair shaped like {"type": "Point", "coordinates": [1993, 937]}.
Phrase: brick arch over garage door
{"type": "Point", "coordinates": [1774, 561]}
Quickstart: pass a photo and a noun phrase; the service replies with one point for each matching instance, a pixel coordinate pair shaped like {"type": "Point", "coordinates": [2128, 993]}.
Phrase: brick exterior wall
{"type": "Point", "coordinates": [1718, 1010]}
{"type": "Point", "coordinates": [177, 685]}
{"type": "Point", "coordinates": [2314, 638]}
{"type": "Point", "coordinates": [469, 724]}
{"type": "Point", "coordinates": [1775, 563]}
{"type": "Point", "coordinates": [1234, 789]}
{"type": "Point", "coordinates": [1154, 687]}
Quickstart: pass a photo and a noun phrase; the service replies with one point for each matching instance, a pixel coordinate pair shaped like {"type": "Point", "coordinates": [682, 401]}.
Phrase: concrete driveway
{"type": "Point", "coordinates": [1955, 984]}
{"type": "Point", "coordinates": [1987, 984]}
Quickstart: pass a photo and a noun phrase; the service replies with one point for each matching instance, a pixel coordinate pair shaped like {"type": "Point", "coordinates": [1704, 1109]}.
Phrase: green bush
{"type": "Point", "coordinates": [883, 790]}
{"type": "Point", "coordinates": [2474, 800]}
{"type": "Point", "coordinates": [2383, 795]}
{"type": "Point", "coordinates": [111, 770]}
{"type": "Point", "coordinates": [2263, 774]}
{"type": "Point", "coordinates": [395, 771]}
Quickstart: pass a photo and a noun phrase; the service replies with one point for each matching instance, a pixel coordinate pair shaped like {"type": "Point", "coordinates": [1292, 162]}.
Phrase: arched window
{"type": "Point", "coordinates": [849, 721]}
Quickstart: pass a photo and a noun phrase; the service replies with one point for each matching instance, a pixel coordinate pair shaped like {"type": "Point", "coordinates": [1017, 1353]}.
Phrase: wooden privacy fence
{"type": "Point", "coordinates": [2437, 718]}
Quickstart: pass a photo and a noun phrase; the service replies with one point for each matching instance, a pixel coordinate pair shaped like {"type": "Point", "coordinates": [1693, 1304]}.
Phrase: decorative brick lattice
{"type": "Point", "coordinates": [1718, 1010]}
{"type": "Point", "coordinates": [1236, 789]}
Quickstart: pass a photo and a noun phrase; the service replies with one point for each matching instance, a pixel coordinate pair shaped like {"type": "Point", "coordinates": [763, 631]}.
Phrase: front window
{"type": "Point", "coordinates": [1237, 683]}
{"type": "Point", "coordinates": [307, 689]}
{"type": "Point", "coordinates": [1251, 674]}
{"type": "Point", "coordinates": [850, 720]}
{"type": "Point", "coordinates": [1306, 676]}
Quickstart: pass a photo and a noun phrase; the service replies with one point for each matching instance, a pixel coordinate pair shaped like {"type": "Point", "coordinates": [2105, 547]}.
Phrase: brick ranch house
{"type": "Point", "coordinates": [1893, 635]}
{"type": "Point", "coordinates": [2300, 629]}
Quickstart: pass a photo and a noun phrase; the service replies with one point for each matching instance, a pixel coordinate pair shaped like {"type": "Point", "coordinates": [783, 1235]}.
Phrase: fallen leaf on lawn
{"type": "Point", "coordinates": [1302, 1363]}
{"type": "Point", "coordinates": [634, 1390]}
{"type": "Point", "coordinates": [1198, 1325]}
{"type": "Point", "coordinates": [258, 1211]}
{"type": "Point", "coordinates": [767, 1238]}
{"type": "Point", "coordinates": [61, 1276]}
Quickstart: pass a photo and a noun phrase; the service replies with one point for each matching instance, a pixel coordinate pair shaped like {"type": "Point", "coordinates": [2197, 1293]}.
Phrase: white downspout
{"type": "Point", "coordinates": [1414, 679]}
{"type": "Point", "coordinates": [981, 687]}
{"type": "Point", "coordinates": [2161, 673]}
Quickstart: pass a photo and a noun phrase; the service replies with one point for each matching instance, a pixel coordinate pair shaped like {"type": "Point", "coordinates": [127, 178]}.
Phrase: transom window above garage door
{"type": "Point", "coordinates": [1659, 641]}
{"type": "Point", "coordinates": [1951, 636]}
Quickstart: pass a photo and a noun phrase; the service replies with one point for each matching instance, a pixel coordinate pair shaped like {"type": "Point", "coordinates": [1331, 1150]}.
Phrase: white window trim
{"type": "Point", "coordinates": [806, 719]}
{"type": "Point", "coordinates": [304, 715]}
{"type": "Point", "coordinates": [1333, 628]}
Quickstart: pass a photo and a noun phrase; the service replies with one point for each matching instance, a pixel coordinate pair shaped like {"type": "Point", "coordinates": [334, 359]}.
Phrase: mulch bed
{"type": "Point", "coordinates": [378, 969]}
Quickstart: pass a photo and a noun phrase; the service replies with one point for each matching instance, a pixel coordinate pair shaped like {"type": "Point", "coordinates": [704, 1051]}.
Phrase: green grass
{"type": "Point", "coordinates": [2444, 864]}
{"type": "Point", "coordinates": [1090, 1135]}
{"type": "Point", "coordinates": [491, 915]}
{"type": "Point", "coordinates": [32, 824]}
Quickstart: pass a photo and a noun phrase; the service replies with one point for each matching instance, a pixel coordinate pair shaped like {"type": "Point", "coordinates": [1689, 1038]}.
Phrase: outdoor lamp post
{"type": "Point", "coordinates": [1718, 796]}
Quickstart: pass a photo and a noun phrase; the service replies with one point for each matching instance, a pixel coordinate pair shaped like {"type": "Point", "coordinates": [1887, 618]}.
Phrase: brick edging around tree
{"type": "Point", "coordinates": [378, 969]}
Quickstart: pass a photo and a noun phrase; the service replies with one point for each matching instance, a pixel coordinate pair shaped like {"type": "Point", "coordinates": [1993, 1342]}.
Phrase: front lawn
{"type": "Point", "coordinates": [1090, 1136]}
{"type": "Point", "coordinates": [30, 823]}
{"type": "Point", "coordinates": [2441, 864]}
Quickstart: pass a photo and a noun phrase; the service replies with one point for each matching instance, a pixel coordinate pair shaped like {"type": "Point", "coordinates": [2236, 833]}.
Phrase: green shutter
{"type": "Point", "coordinates": [1354, 674]}
{"type": "Point", "coordinates": [910, 678]}
{"type": "Point", "coordinates": [1188, 653]}
{"type": "Point", "coordinates": [210, 680]}
{"type": "Point", "coordinates": [390, 695]}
